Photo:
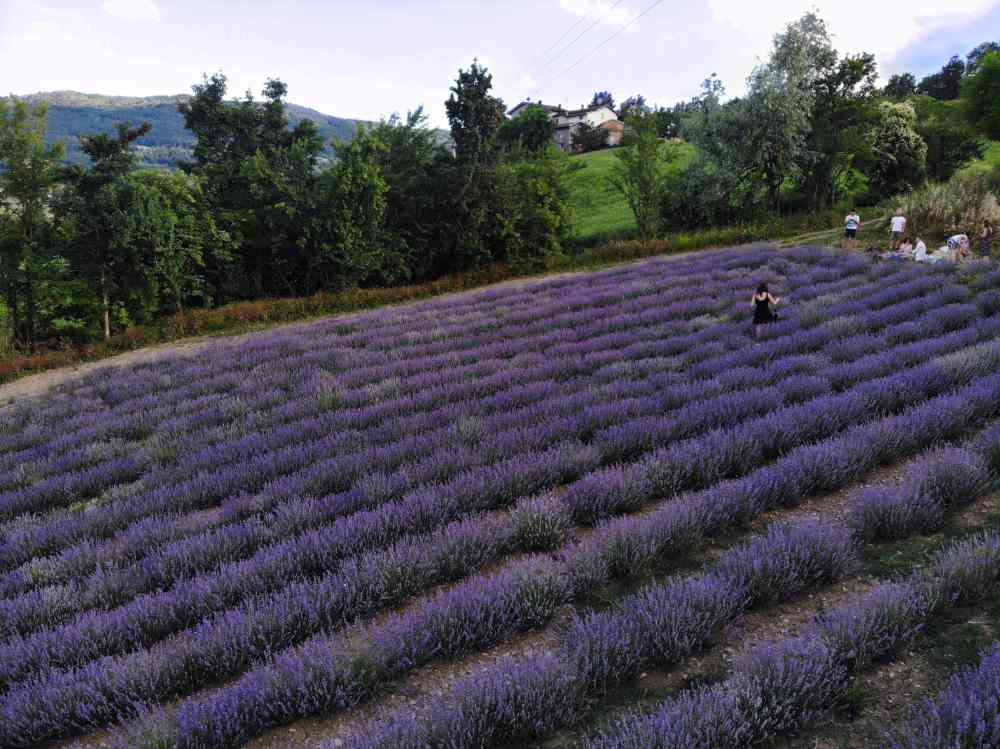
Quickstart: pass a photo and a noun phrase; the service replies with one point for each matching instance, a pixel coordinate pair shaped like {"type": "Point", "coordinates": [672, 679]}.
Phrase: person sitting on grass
{"type": "Point", "coordinates": [761, 303]}
{"type": "Point", "coordinates": [851, 224]}
{"type": "Point", "coordinates": [920, 251]}
{"type": "Point", "coordinates": [903, 252]}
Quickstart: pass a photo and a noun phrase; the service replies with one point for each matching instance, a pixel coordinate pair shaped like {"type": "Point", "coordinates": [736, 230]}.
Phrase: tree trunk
{"type": "Point", "coordinates": [105, 304]}
{"type": "Point", "coordinates": [29, 299]}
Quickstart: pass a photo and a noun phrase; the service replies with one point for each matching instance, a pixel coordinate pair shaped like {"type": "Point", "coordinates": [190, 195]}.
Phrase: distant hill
{"type": "Point", "coordinates": [72, 114]}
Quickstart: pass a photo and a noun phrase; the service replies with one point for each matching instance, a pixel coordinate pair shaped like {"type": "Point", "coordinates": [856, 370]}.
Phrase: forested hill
{"type": "Point", "coordinates": [72, 114]}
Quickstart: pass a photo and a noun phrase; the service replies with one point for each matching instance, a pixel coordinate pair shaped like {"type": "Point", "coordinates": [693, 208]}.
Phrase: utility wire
{"type": "Point", "coordinates": [594, 50]}
{"type": "Point", "coordinates": [579, 36]}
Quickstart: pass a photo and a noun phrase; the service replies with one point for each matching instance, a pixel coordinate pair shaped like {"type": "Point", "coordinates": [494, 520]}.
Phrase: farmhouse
{"type": "Point", "coordinates": [568, 121]}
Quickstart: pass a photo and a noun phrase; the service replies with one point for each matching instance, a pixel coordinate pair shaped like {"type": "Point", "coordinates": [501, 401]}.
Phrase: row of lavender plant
{"type": "Point", "coordinates": [611, 550]}
{"type": "Point", "coordinates": [601, 651]}
{"type": "Point", "coordinates": [781, 686]}
{"type": "Point", "coordinates": [965, 714]}
{"type": "Point", "coordinates": [31, 529]}
{"type": "Point", "coordinates": [421, 383]}
{"type": "Point", "coordinates": [41, 494]}
{"type": "Point", "coordinates": [263, 350]}
{"type": "Point", "coordinates": [536, 430]}
{"type": "Point", "coordinates": [80, 639]}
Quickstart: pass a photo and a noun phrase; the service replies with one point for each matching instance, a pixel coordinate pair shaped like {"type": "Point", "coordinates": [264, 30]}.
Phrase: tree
{"type": "Point", "coordinates": [843, 110]}
{"type": "Point", "coordinates": [632, 105]}
{"type": "Point", "coordinates": [586, 137]}
{"type": "Point", "coordinates": [946, 84]}
{"type": "Point", "coordinates": [638, 173]}
{"type": "Point", "coordinates": [779, 101]}
{"type": "Point", "coordinates": [981, 96]}
{"type": "Point", "coordinates": [418, 172]}
{"type": "Point", "coordinates": [972, 59]}
{"type": "Point", "coordinates": [29, 173]}
{"type": "Point", "coordinates": [900, 86]}
{"type": "Point", "coordinates": [91, 213]}
{"type": "Point", "coordinates": [900, 153]}
{"type": "Point", "coordinates": [532, 130]}
{"type": "Point", "coordinates": [603, 99]}
{"type": "Point", "coordinates": [165, 222]}
{"type": "Point", "coordinates": [536, 200]}
{"type": "Point", "coordinates": [475, 117]}
{"type": "Point", "coordinates": [259, 176]}
{"type": "Point", "coordinates": [951, 143]}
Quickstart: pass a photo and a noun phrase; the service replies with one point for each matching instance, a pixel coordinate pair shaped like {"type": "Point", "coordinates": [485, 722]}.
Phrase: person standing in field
{"type": "Point", "coordinates": [986, 239]}
{"type": "Point", "coordinates": [897, 225]}
{"type": "Point", "coordinates": [761, 303]}
{"type": "Point", "coordinates": [851, 224]}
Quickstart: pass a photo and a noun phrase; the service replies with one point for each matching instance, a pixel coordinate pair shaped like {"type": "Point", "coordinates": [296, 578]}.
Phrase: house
{"type": "Point", "coordinates": [568, 121]}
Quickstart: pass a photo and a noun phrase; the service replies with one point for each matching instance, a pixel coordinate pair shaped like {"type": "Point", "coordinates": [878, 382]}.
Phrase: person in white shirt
{"type": "Point", "coordinates": [920, 253]}
{"type": "Point", "coordinates": [851, 224]}
{"type": "Point", "coordinates": [897, 225]}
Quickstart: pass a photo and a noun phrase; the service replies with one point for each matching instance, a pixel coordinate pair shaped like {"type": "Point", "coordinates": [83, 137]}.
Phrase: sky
{"type": "Point", "coordinates": [367, 60]}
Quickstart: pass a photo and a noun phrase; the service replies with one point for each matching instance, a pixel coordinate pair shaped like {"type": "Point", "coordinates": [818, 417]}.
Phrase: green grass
{"type": "Point", "coordinates": [990, 160]}
{"type": "Point", "coordinates": [600, 212]}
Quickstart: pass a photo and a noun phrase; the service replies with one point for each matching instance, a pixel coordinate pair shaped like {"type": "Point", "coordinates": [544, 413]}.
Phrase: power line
{"type": "Point", "coordinates": [591, 52]}
{"type": "Point", "coordinates": [564, 35]}
{"type": "Point", "coordinates": [579, 36]}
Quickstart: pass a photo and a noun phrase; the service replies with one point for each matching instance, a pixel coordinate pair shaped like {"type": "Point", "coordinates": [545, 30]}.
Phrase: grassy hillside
{"type": "Point", "coordinates": [599, 211]}
{"type": "Point", "coordinates": [72, 114]}
{"type": "Point", "coordinates": [990, 160]}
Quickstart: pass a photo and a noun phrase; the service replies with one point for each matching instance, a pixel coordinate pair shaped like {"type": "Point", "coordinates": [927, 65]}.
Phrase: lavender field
{"type": "Point", "coordinates": [209, 549]}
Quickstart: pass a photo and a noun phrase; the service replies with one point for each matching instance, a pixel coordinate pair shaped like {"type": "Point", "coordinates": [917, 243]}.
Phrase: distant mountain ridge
{"type": "Point", "coordinates": [72, 114]}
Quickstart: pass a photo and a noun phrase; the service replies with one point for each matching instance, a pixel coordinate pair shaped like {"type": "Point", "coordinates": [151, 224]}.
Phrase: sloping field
{"type": "Point", "coordinates": [482, 520]}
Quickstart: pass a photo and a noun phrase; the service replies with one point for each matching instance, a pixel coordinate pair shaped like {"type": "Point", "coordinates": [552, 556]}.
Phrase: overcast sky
{"type": "Point", "coordinates": [353, 58]}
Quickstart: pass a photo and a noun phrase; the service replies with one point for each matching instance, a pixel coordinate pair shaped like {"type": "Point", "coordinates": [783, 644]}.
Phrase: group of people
{"type": "Point", "coordinates": [904, 247]}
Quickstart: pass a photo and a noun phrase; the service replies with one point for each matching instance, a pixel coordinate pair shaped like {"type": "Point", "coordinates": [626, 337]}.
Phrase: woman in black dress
{"type": "Point", "coordinates": [761, 302]}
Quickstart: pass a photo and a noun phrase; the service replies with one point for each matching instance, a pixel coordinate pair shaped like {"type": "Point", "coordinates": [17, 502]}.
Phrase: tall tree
{"type": "Point", "coordinates": [945, 85]}
{"type": "Point", "coordinates": [843, 110]}
{"type": "Point", "coordinates": [981, 96]}
{"type": "Point", "coordinates": [900, 86]}
{"type": "Point", "coordinates": [638, 173]}
{"type": "Point", "coordinates": [258, 175]}
{"type": "Point", "coordinates": [603, 99]}
{"type": "Point", "coordinates": [976, 54]}
{"type": "Point", "coordinates": [475, 116]}
{"type": "Point", "coordinates": [900, 153]}
{"type": "Point", "coordinates": [779, 101]}
{"type": "Point", "coordinates": [30, 169]}
{"type": "Point", "coordinates": [91, 212]}
{"type": "Point", "coordinates": [632, 105]}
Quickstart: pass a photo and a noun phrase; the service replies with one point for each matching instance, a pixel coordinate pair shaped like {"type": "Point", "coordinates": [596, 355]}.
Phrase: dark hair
{"type": "Point", "coordinates": [762, 288]}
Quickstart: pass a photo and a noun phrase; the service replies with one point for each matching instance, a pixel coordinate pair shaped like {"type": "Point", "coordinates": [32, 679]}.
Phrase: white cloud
{"type": "Point", "coordinates": [606, 13]}
{"type": "Point", "coordinates": [132, 10]}
{"type": "Point", "coordinates": [527, 83]}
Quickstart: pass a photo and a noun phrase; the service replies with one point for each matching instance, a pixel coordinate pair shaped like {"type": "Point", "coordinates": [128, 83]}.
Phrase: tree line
{"type": "Point", "coordinates": [260, 211]}
{"type": "Point", "coordinates": [86, 251]}
{"type": "Point", "coordinates": [812, 131]}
